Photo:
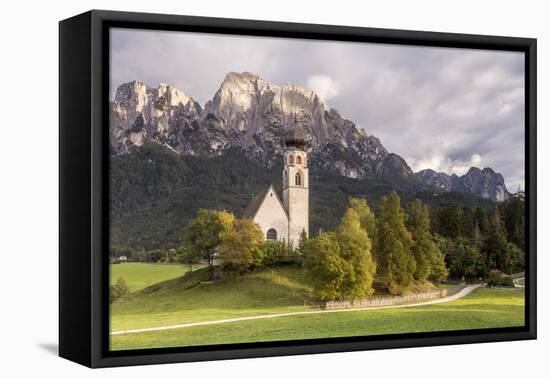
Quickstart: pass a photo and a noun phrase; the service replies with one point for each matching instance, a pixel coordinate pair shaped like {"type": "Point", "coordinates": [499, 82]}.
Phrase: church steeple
{"type": "Point", "coordinates": [296, 184]}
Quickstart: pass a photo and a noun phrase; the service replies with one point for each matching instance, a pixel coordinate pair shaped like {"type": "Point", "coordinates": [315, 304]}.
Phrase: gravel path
{"type": "Point", "coordinates": [517, 284]}
{"type": "Point", "coordinates": [462, 293]}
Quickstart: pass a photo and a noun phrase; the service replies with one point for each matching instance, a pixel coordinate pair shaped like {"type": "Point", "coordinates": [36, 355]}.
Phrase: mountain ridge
{"type": "Point", "coordinates": [249, 113]}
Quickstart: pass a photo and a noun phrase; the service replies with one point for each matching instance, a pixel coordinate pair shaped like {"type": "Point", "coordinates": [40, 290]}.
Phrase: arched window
{"type": "Point", "coordinates": [298, 179]}
{"type": "Point", "coordinates": [271, 234]}
{"type": "Point", "coordinates": [291, 159]}
{"type": "Point", "coordinates": [285, 159]}
{"type": "Point", "coordinates": [298, 159]}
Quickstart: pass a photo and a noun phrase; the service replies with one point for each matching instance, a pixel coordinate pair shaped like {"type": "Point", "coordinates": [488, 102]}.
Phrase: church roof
{"type": "Point", "coordinates": [296, 138]}
{"type": "Point", "coordinates": [256, 202]}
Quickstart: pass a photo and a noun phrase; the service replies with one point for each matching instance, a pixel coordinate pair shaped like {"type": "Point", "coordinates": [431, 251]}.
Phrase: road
{"type": "Point", "coordinates": [462, 293]}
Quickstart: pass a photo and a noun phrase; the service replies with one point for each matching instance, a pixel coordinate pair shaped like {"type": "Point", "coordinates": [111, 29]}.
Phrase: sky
{"type": "Point", "coordinates": [441, 108]}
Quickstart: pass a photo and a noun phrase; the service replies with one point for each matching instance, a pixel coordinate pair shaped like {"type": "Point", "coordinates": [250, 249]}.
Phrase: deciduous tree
{"type": "Point", "coordinates": [355, 249]}
{"type": "Point", "coordinates": [203, 234]}
{"type": "Point", "coordinates": [241, 245]}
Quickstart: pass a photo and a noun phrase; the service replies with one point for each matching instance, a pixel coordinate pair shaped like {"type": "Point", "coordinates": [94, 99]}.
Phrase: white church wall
{"type": "Point", "coordinates": [272, 215]}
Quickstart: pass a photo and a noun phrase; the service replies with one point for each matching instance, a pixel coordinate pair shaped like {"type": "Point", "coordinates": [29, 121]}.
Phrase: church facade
{"type": "Point", "coordinates": [286, 219]}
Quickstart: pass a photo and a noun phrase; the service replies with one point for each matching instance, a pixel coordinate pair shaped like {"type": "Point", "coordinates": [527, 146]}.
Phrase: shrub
{"type": "Point", "coordinates": [279, 252]}
{"type": "Point", "coordinates": [119, 290]}
{"type": "Point", "coordinates": [497, 278]}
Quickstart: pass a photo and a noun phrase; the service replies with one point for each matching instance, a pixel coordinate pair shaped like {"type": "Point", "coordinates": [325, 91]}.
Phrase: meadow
{"type": "Point", "coordinates": [140, 275]}
{"type": "Point", "coordinates": [188, 299]}
{"type": "Point", "coordinates": [484, 308]}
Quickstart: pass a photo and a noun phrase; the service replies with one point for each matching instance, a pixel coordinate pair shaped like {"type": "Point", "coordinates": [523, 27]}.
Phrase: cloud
{"type": "Point", "coordinates": [440, 163]}
{"type": "Point", "coordinates": [436, 107]}
{"type": "Point", "coordinates": [324, 86]}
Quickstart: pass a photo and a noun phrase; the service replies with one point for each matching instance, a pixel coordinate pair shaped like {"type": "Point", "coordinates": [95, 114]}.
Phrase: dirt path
{"type": "Point", "coordinates": [462, 293]}
{"type": "Point", "coordinates": [517, 284]}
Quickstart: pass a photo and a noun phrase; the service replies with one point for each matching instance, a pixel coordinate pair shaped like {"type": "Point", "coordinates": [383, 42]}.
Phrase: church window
{"type": "Point", "coordinates": [298, 160]}
{"type": "Point", "coordinates": [271, 234]}
{"type": "Point", "coordinates": [291, 159]}
{"type": "Point", "coordinates": [298, 179]}
{"type": "Point", "coordinates": [285, 159]}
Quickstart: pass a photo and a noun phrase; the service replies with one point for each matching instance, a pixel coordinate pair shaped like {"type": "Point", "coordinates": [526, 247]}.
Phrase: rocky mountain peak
{"type": "Point", "coordinates": [249, 113]}
{"type": "Point", "coordinates": [485, 183]}
{"type": "Point", "coordinates": [172, 96]}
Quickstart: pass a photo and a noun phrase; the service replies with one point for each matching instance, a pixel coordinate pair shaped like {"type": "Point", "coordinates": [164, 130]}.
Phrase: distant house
{"type": "Point", "coordinates": [286, 219]}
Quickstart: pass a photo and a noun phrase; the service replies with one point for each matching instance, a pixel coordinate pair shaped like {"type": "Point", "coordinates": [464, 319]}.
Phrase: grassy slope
{"type": "Point", "coordinates": [485, 308]}
{"type": "Point", "coordinates": [184, 300]}
{"type": "Point", "coordinates": [140, 275]}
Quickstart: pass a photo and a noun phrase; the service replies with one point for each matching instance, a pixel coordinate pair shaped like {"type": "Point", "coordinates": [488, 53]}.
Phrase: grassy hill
{"type": "Point", "coordinates": [192, 298]}
{"type": "Point", "coordinates": [140, 275]}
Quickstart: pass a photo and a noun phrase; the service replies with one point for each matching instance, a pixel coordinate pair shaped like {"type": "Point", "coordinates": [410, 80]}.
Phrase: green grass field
{"type": "Point", "coordinates": [140, 275]}
{"type": "Point", "coordinates": [484, 308]}
{"type": "Point", "coordinates": [184, 300]}
{"type": "Point", "coordinates": [284, 289]}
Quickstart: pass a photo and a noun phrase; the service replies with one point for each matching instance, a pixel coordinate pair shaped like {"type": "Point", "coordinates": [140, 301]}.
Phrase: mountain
{"type": "Point", "coordinates": [155, 191]}
{"type": "Point", "coordinates": [484, 183]}
{"type": "Point", "coordinates": [249, 113]}
{"type": "Point", "coordinates": [253, 115]}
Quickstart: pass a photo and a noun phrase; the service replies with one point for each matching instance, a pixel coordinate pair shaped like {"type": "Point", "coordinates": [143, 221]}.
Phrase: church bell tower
{"type": "Point", "coordinates": [296, 184]}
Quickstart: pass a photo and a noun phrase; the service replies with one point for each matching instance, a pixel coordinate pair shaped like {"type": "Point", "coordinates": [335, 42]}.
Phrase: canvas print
{"type": "Point", "coordinates": [272, 189]}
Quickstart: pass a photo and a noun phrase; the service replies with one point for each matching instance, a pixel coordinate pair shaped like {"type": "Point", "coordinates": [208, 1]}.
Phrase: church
{"type": "Point", "coordinates": [286, 219]}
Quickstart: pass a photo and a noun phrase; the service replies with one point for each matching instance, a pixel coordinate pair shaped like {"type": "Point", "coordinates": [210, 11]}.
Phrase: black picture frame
{"type": "Point", "coordinates": [83, 182]}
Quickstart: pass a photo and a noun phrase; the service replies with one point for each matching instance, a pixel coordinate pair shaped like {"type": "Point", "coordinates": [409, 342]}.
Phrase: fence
{"type": "Point", "coordinates": [384, 300]}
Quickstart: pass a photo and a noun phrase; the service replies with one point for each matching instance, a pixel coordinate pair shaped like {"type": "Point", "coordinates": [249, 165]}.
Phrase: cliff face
{"type": "Point", "coordinates": [252, 114]}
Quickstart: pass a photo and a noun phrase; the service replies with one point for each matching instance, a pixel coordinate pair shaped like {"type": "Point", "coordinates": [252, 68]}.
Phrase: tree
{"type": "Point", "coordinates": [366, 216]}
{"type": "Point", "coordinates": [513, 214]}
{"type": "Point", "coordinates": [355, 249]}
{"type": "Point", "coordinates": [241, 245]}
{"type": "Point", "coordinates": [302, 243]}
{"type": "Point", "coordinates": [325, 265]}
{"type": "Point", "coordinates": [449, 221]}
{"type": "Point", "coordinates": [186, 255]}
{"type": "Point", "coordinates": [464, 260]}
{"type": "Point", "coordinates": [495, 246]}
{"type": "Point", "coordinates": [394, 259]}
{"type": "Point", "coordinates": [203, 234]}
{"type": "Point", "coordinates": [119, 290]}
{"type": "Point", "coordinates": [428, 257]}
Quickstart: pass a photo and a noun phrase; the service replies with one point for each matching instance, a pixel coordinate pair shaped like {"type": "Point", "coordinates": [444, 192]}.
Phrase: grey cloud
{"type": "Point", "coordinates": [423, 103]}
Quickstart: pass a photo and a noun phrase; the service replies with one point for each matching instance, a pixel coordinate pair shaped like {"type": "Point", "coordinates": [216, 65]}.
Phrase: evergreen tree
{"type": "Point", "coordinates": [394, 259]}
{"type": "Point", "coordinates": [119, 290]}
{"type": "Point", "coordinates": [513, 215]}
{"type": "Point", "coordinates": [495, 246]}
{"type": "Point", "coordinates": [464, 260]}
{"type": "Point", "coordinates": [427, 256]}
{"type": "Point", "coordinates": [302, 243]}
{"type": "Point", "coordinates": [449, 221]}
